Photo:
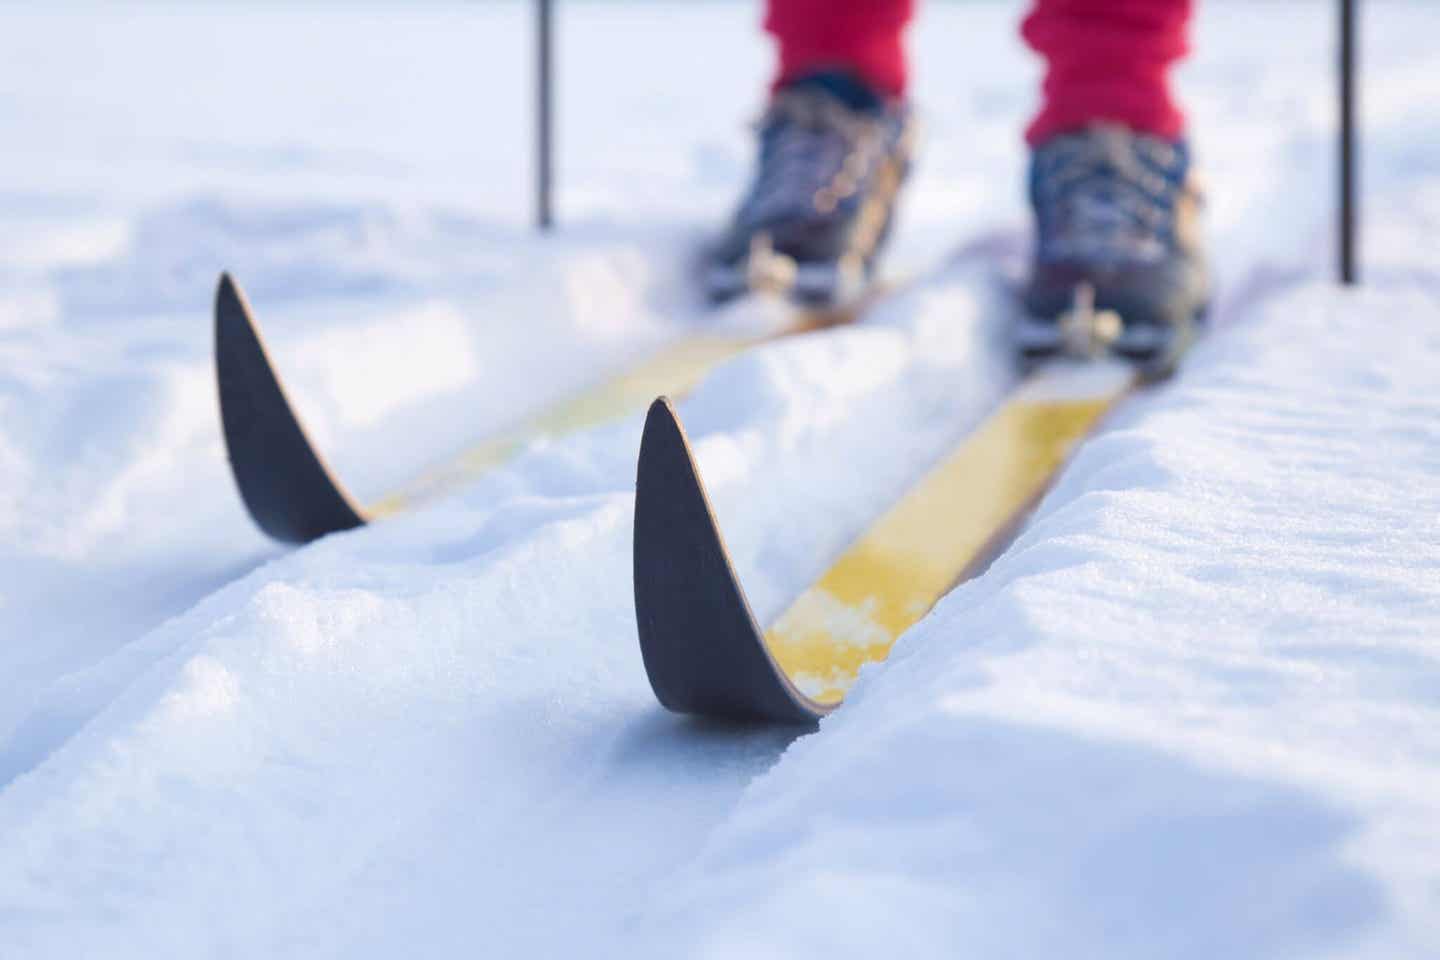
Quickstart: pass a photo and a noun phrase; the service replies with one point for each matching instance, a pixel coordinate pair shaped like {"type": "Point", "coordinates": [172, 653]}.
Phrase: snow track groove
{"type": "Point", "coordinates": [1207, 662]}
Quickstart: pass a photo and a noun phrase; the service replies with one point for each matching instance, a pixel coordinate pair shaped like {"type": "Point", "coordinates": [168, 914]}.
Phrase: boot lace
{"type": "Point", "coordinates": [815, 154]}
{"type": "Point", "coordinates": [1107, 196]}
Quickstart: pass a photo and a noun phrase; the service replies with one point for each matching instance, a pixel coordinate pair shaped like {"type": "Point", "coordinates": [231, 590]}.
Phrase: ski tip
{"type": "Point", "coordinates": [665, 463]}
{"type": "Point", "coordinates": [662, 417]}
{"type": "Point", "coordinates": [230, 300]}
{"type": "Point", "coordinates": [703, 651]}
{"type": "Point", "coordinates": [227, 285]}
{"type": "Point", "coordinates": [288, 490]}
{"type": "Point", "coordinates": [665, 449]}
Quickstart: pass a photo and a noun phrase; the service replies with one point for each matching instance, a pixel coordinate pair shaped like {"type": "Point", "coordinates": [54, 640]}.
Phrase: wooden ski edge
{"type": "Point", "coordinates": [287, 487]}
{"type": "Point", "coordinates": [703, 651]}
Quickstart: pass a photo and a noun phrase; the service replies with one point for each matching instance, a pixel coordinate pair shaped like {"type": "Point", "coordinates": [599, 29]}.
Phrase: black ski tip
{"type": "Point", "coordinates": [703, 652]}
{"type": "Point", "coordinates": [287, 488]}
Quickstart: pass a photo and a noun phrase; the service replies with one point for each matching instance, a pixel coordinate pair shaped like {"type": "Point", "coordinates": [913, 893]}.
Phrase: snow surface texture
{"type": "Point", "coordinates": [1192, 712]}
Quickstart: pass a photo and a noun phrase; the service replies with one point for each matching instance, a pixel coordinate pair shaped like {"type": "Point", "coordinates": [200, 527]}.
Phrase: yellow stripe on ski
{"type": "Point", "coordinates": [675, 370]}
{"type": "Point", "coordinates": [908, 559]}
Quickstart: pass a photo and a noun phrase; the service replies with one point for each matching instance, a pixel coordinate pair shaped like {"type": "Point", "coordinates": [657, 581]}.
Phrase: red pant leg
{"type": "Point", "coordinates": [1108, 60]}
{"type": "Point", "coordinates": [860, 35]}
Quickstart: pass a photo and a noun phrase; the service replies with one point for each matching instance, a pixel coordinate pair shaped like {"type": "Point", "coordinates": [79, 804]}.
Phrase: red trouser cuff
{"type": "Point", "coordinates": [865, 37]}
{"type": "Point", "coordinates": [1108, 60]}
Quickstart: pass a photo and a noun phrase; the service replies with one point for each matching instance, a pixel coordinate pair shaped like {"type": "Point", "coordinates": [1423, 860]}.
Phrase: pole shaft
{"type": "Point", "coordinates": [1349, 272]}
{"type": "Point", "coordinates": [544, 115]}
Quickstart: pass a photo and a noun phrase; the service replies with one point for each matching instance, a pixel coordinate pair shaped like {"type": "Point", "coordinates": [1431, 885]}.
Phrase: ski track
{"type": "Point", "coordinates": [1188, 713]}
{"type": "Point", "coordinates": [1223, 774]}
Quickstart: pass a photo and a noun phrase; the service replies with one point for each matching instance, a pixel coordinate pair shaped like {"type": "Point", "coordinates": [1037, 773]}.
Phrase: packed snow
{"type": "Point", "coordinates": [1193, 711]}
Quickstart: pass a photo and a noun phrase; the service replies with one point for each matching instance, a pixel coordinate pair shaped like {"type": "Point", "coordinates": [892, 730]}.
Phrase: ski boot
{"type": "Point", "coordinates": [1118, 266]}
{"type": "Point", "coordinates": [833, 154]}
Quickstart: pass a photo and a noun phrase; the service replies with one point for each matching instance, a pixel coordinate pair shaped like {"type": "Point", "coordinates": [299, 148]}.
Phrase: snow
{"type": "Point", "coordinates": [1190, 712]}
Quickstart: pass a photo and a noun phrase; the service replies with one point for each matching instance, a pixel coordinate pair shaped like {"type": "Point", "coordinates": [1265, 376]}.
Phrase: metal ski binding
{"type": "Point", "coordinates": [1085, 331]}
{"type": "Point", "coordinates": [765, 269]}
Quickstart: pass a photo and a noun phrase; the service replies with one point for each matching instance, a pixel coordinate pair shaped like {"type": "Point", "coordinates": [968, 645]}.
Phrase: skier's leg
{"type": "Point", "coordinates": [834, 147]}
{"type": "Point", "coordinates": [1115, 204]}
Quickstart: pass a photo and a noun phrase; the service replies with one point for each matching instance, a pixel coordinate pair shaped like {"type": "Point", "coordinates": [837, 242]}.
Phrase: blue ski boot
{"type": "Point", "coordinates": [833, 154]}
{"type": "Point", "coordinates": [1118, 265]}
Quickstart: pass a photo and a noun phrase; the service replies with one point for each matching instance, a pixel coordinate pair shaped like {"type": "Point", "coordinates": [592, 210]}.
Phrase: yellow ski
{"type": "Point", "coordinates": [295, 497]}
{"type": "Point", "coordinates": [703, 650]}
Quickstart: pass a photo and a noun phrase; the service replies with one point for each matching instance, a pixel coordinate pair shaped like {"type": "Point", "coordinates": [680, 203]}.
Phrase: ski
{"type": "Point", "coordinates": [703, 649]}
{"type": "Point", "coordinates": [295, 497]}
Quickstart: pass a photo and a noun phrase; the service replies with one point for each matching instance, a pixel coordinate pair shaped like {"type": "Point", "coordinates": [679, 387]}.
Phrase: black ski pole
{"type": "Point", "coordinates": [544, 115]}
{"type": "Point", "coordinates": [1349, 212]}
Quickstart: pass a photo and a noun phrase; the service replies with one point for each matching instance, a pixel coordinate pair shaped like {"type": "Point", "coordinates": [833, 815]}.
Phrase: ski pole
{"type": "Point", "coordinates": [1349, 274]}
{"type": "Point", "coordinates": [544, 115]}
